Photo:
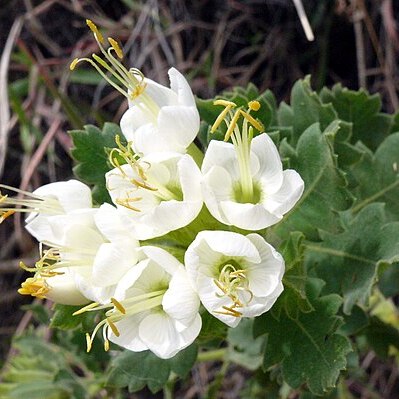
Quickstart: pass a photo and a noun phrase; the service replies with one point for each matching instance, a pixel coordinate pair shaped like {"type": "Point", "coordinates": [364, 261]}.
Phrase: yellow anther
{"type": "Point", "coordinates": [125, 203]}
{"type": "Point", "coordinates": [225, 103]}
{"type": "Point", "coordinates": [254, 105]}
{"type": "Point", "coordinates": [100, 61]}
{"type": "Point", "coordinates": [36, 287]}
{"type": "Point", "coordinates": [256, 124]}
{"type": "Point", "coordinates": [5, 215]}
{"type": "Point", "coordinates": [115, 45]}
{"type": "Point", "coordinates": [232, 125]}
{"type": "Point", "coordinates": [73, 64]}
{"type": "Point", "coordinates": [229, 311]}
{"type": "Point", "coordinates": [89, 343]}
{"type": "Point", "coordinates": [138, 90]}
{"type": "Point", "coordinates": [118, 305]}
{"type": "Point", "coordinates": [106, 345]}
{"type": "Point", "coordinates": [95, 30]}
{"type": "Point", "coordinates": [113, 327]}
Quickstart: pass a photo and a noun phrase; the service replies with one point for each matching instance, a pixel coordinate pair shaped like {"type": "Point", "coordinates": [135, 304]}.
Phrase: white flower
{"type": "Point", "coordinates": [155, 307]}
{"type": "Point", "coordinates": [244, 184]}
{"type": "Point", "coordinates": [59, 288]}
{"type": "Point", "coordinates": [157, 193]}
{"type": "Point", "coordinates": [95, 257]}
{"type": "Point", "coordinates": [159, 118]}
{"type": "Point", "coordinates": [235, 276]}
{"type": "Point", "coordinates": [162, 119]}
{"type": "Point", "coordinates": [49, 207]}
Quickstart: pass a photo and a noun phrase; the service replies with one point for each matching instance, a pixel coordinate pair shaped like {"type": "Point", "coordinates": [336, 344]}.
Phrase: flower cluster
{"type": "Point", "coordinates": [105, 258]}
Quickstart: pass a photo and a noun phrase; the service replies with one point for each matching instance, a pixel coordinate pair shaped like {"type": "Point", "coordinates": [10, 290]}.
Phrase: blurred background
{"type": "Point", "coordinates": [215, 44]}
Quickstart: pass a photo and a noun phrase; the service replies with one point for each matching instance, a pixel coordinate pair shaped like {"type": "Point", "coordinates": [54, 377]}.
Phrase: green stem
{"type": "Point", "coordinates": [214, 355]}
{"type": "Point", "coordinates": [196, 153]}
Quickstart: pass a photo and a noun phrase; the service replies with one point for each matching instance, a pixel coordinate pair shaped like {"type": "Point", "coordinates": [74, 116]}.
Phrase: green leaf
{"type": "Point", "coordinates": [308, 347]}
{"type": "Point", "coordinates": [244, 349]}
{"type": "Point", "coordinates": [136, 370]}
{"type": "Point", "coordinates": [90, 153]}
{"type": "Point", "coordinates": [378, 178]}
{"type": "Point", "coordinates": [348, 261]}
{"type": "Point", "coordinates": [362, 110]}
{"type": "Point", "coordinates": [63, 317]}
{"type": "Point", "coordinates": [325, 185]}
{"type": "Point", "coordinates": [381, 336]}
{"type": "Point", "coordinates": [305, 110]}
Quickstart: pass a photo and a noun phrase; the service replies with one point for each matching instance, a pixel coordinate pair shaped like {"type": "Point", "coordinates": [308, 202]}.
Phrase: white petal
{"type": "Point", "coordinates": [161, 95]}
{"type": "Point", "coordinates": [133, 119]}
{"type": "Point", "coordinates": [267, 275]}
{"type": "Point", "coordinates": [161, 257]}
{"type": "Point", "coordinates": [229, 244]}
{"type": "Point", "coordinates": [71, 194]}
{"type": "Point", "coordinates": [180, 301]}
{"type": "Point", "coordinates": [270, 167]}
{"type": "Point", "coordinates": [222, 154]}
{"type": "Point", "coordinates": [289, 193]}
{"type": "Point", "coordinates": [129, 333]}
{"type": "Point", "coordinates": [180, 86]}
{"type": "Point", "coordinates": [63, 289]}
{"type": "Point", "coordinates": [180, 125]}
{"type": "Point", "coordinates": [248, 216]}
{"type": "Point", "coordinates": [190, 179]}
{"type": "Point", "coordinates": [112, 261]}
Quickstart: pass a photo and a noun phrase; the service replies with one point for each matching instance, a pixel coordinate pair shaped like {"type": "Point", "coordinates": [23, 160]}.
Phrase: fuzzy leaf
{"type": "Point", "coordinates": [325, 192]}
{"type": "Point", "coordinates": [377, 177]}
{"type": "Point", "coordinates": [90, 153]}
{"type": "Point", "coordinates": [308, 347]}
{"type": "Point", "coordinates": [362, 110]}
{"type": "Point", "coordinates": [348, 261]}
{"type": "Point", "coordinates": [135, 370]}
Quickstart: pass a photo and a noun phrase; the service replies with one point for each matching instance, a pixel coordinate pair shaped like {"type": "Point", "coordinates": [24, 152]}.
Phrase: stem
{"type": "Point", "coordinates": [196, 153]}
{"type": "Point", "coordinates": [208, 356]}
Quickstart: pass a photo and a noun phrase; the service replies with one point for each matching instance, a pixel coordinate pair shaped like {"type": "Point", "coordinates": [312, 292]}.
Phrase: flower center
{"type": "Point", "coordinates": [233, 283]}
{"type": "Point", "coordinates": [33, 204]}
{"type": "Point", "coordinates": [130, 82]}
{"type": "Point", "coordinates": [241, 139]}
{"type": "Point", "coordinates": [142, 180]}
{"type": "Point", "coordinates": [117, 311]}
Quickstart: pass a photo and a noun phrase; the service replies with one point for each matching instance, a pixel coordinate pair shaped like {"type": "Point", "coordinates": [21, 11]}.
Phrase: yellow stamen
{"type": "Point", "coordinates": [118, 305]}
{"type": "Point", "coordinates": [34, 286]}
{"type": "Point", "coordinates": [73, 64]}
{"type": "Point", "coordinates": [222, 115]}
{"type": "Point", "coordinates": [229, 311]}
{"type": "Point", "coordinates": [89, 343]}
{"type": "Point", "coordinates": [86, 308]}
{"type": "Point", "coordinates": [254, 105]}
{"type": "Point", "coordinates": [232, 125]}
{"type": "Point", "coordinates": [256, 124]}
{"type": "Point", "coordinates": [113, 327]}
{"type": "Point", "coordinates": [225, 103]}
{"type": "Point", "coordinates": [5, 215]}
{"type": "Point", "coordinates": [95, 30]}
{"type": "Point", "coordinates": [115, 45]}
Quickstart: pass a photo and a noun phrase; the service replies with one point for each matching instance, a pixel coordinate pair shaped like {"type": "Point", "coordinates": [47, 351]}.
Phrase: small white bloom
{"type": "Point", "coordinates": [244, 184]}
{"type": "Point", "coordinates": [162, 119]}
{"type": "Point", "coordinates": [159, 118]}
{"type": "Point", "coordinates": [155, 307]}
{"type": "Point", "coordinates": [235, 276]}
{"type": "Point", "coordinates": [95, 257]}
{"type": "Point", "coordinates": [157, 193]}
{"type": "Point", "coordinates": [49, 207]}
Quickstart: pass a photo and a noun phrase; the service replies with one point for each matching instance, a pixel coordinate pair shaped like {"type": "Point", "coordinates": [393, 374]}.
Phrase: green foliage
{"type": "Point", "coordinates": [137, 370]}
{"type": "Point", "coordinates": [338, 240]}
{"type": "Point", "coordinates": [308, 347]}
{"type": "Point", "coordinates": [91, 154]}
{"type": "Point", "coordinates": [325, 185]}
{"type": "Point", "coordinates": [348, 261]}
{"type": "Point", "coordinates": [41, 370]}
